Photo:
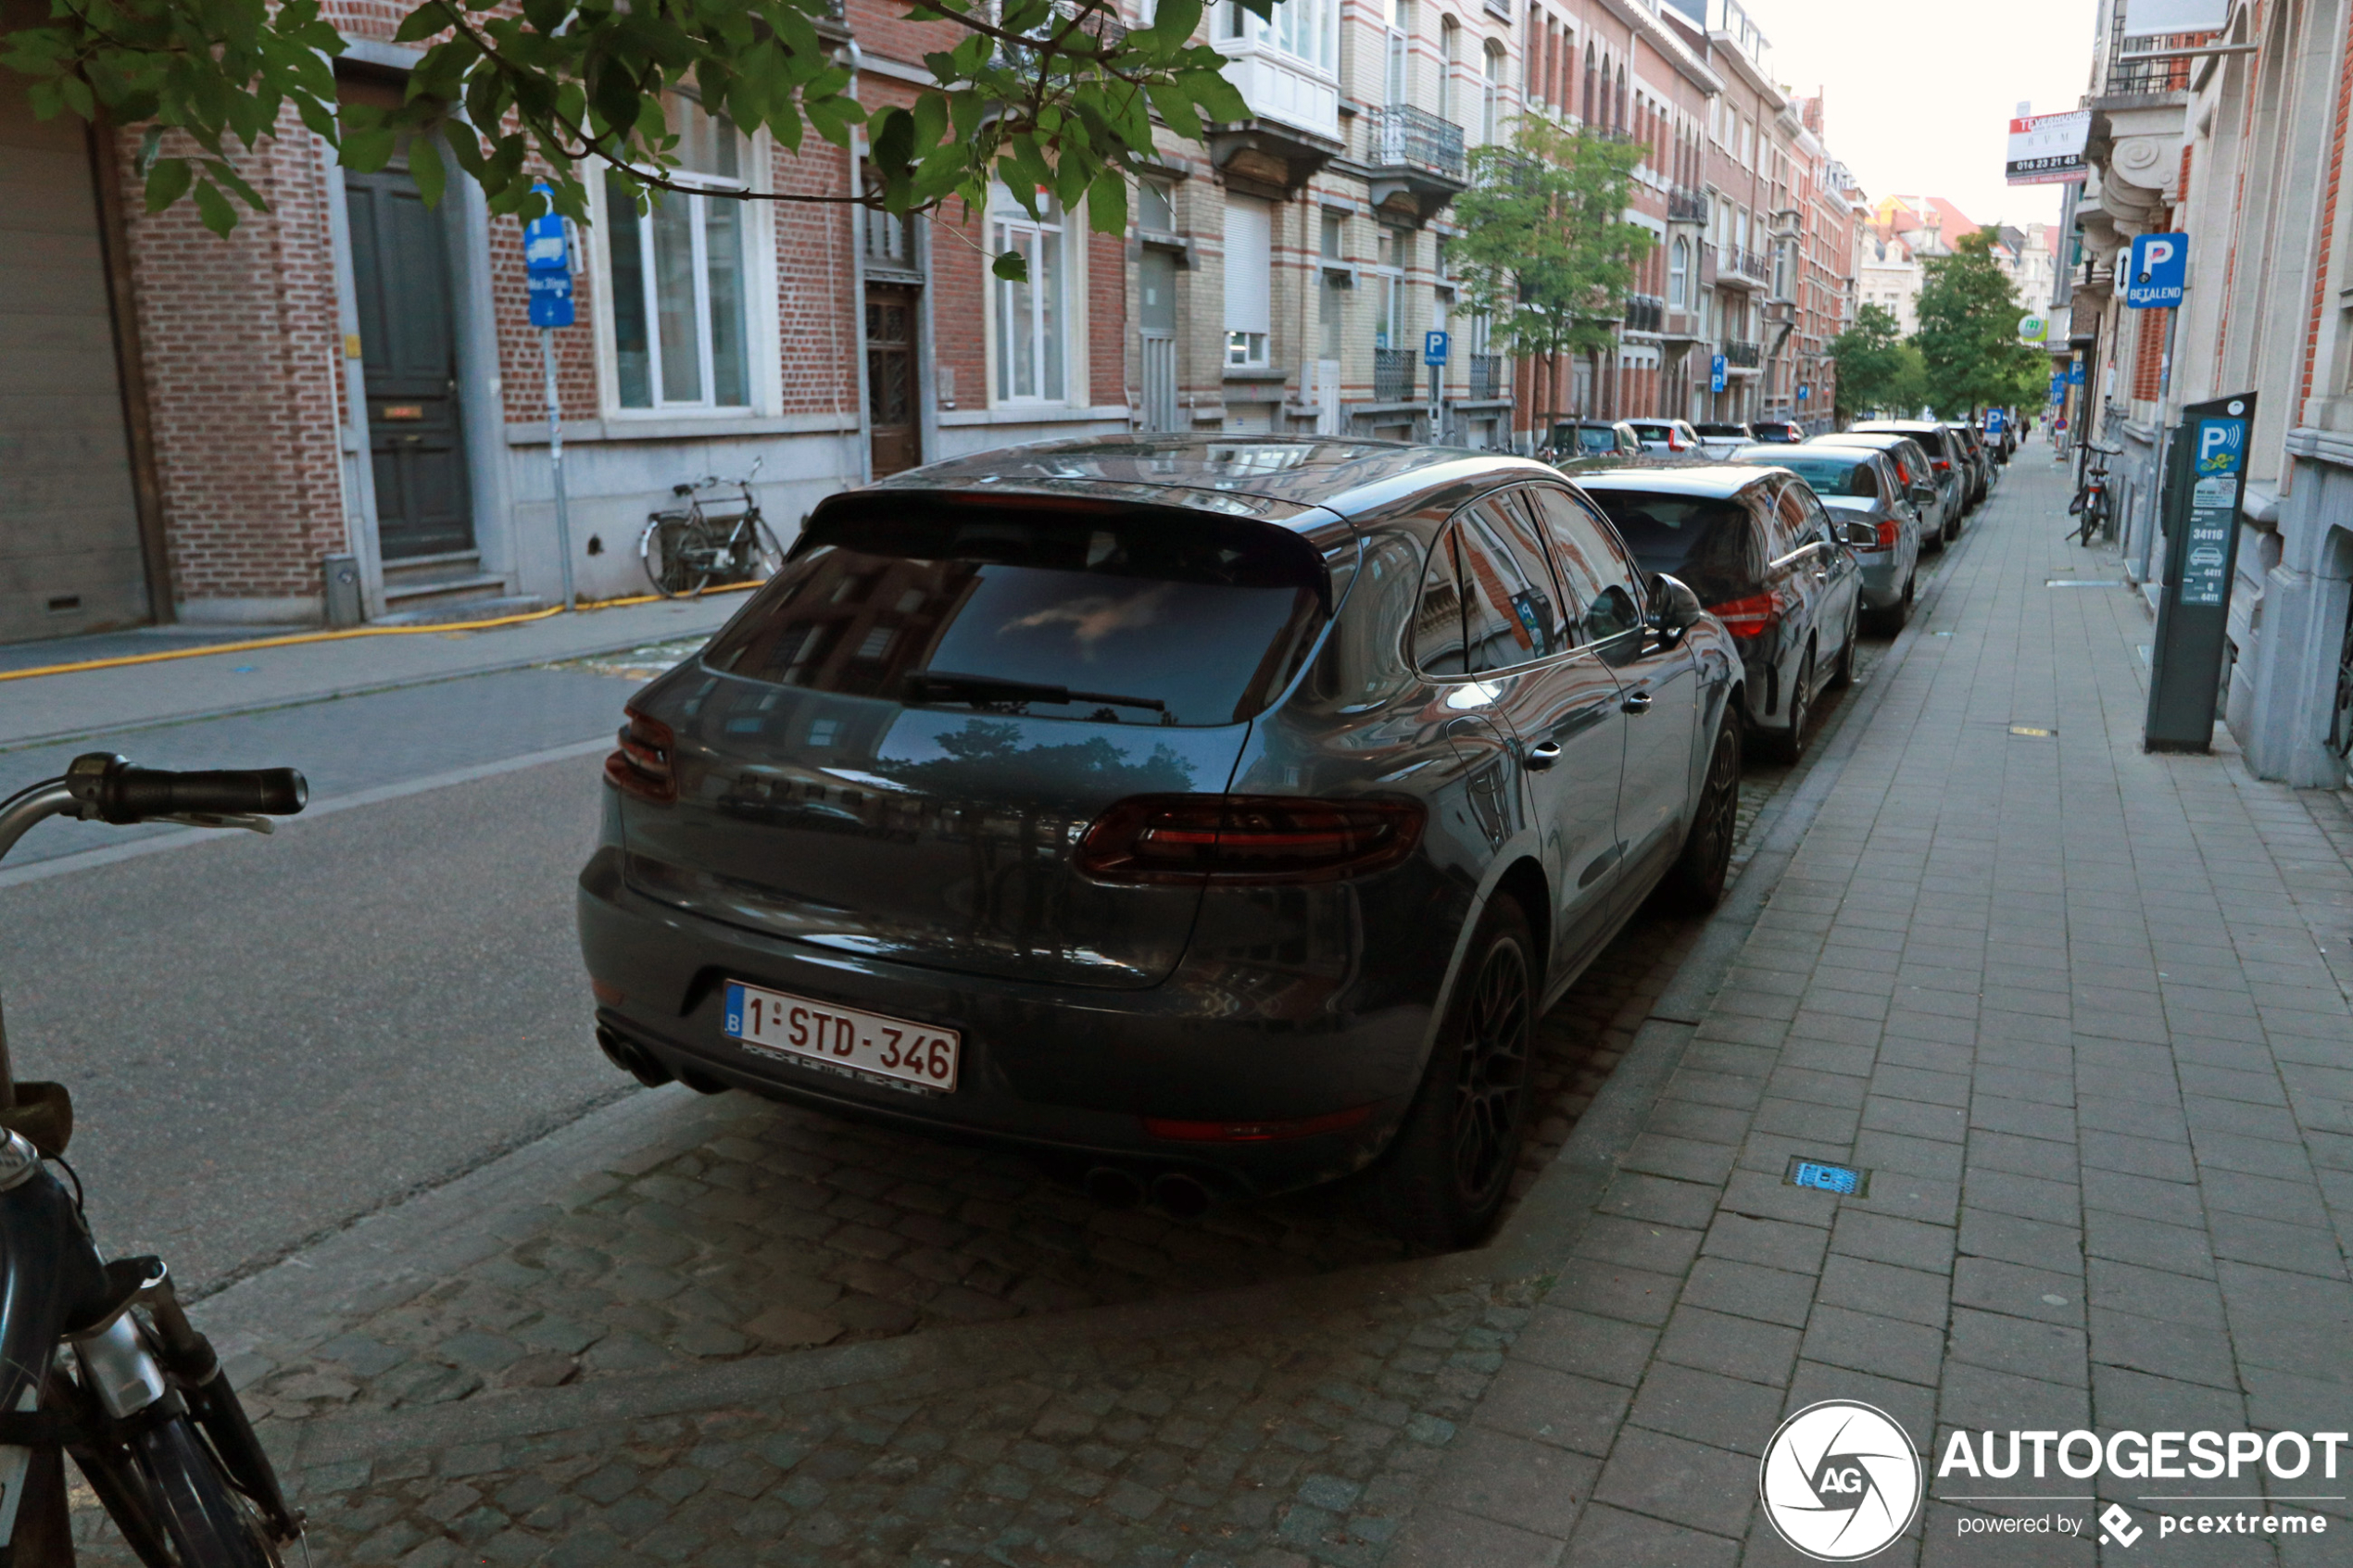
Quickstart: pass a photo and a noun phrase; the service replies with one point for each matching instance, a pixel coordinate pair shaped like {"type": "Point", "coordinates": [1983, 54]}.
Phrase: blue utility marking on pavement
{"type": "Point", "coordinates": [242, 670]}
{"type": "Point", "coordinates": [1843, 1180]}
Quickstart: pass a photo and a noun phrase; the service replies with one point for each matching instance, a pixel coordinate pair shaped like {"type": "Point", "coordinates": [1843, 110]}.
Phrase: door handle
{"type": "Point", "coordinates": [1543, 755]}
{"type": "Point", "coordinates": [1637, 702]}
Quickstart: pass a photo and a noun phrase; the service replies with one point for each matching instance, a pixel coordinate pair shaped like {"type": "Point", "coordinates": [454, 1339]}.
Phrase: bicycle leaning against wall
{"type": "Point", "coordinates": [2095, 502]}
{"type": "Point", "coordinates": [712, 540]}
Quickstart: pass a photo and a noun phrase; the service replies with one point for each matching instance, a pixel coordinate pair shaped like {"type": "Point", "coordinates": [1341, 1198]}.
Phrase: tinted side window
{"type": "Point", "coordinates": [1797, 514]}
{"type": "Point", "coordinates": [1438, 614]}
{"type": "Point", "coordinates": [1783, 527]}
{"type": "Point", "coordinates": [1864, 481]}
{"type": "Point", "coordinates": [1511, 613]}
{"type": "Point", "coordinates": [1600, 575]}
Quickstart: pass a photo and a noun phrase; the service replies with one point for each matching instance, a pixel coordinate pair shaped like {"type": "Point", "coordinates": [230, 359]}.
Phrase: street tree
{"type": "Point", "coordinates": [1968, 334]}
{"type": "Point", "coordinates": [1869, 356]}
{"type": "Point", "coordinates": [1043, 94]}
{"type": "Point", "coordinates": [1545, 253]}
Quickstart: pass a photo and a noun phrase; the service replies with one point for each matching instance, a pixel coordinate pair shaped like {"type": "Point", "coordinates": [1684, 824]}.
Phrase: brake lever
{"type": "Point", "coordinates": [245, 820]}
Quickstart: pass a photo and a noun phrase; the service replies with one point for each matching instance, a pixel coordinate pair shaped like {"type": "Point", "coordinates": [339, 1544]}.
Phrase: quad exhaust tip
{"type": "Point", "coordinates": [632, 1059]}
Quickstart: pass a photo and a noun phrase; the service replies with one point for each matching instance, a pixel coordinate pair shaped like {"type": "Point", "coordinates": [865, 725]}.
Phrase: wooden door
{"type": "Point", "coordinates": [408, 337]}
{"type": "Point", "coordinates": [890, 378]}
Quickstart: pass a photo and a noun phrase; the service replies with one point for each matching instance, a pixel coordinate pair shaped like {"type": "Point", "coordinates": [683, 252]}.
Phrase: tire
{"type": "Point", "coordinates": [1445, 1176]}
{"type": "Point", "coordinates": [1695, 884]}
{"type": "Point", "coordinates": [674, 570]}
{"type": "Point", "coordinates": [179, 1486]}
{"type": "Point", "coordinates": [1789, 746]}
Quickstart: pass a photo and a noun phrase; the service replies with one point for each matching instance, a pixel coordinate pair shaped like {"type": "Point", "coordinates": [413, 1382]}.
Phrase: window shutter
{"type": "Point", "coordinates": [1248, 265]}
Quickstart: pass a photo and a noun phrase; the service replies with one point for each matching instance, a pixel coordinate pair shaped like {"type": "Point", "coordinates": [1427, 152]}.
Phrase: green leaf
{"type": "Point", "coordinates": [1219, 99]}
{"type": "Point", "coordinates": [1107, 203]}
{"type": "Point", "coordinates": [167, 180]}
{"type": "Point", "coordinates": [426, 169]}
{"type": "Point", "coordinates": [214, 209]}
{"type": "Point", "coordinates": [1011, 267]}
{"type": "Point", "coordinates": [1175, 109]}
{"type": "Point", "coordinates": [150, 143]}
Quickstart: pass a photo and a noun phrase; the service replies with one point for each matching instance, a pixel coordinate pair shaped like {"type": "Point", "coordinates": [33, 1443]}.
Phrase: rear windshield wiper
{"type": "Point", "coordinates": [938, 686]}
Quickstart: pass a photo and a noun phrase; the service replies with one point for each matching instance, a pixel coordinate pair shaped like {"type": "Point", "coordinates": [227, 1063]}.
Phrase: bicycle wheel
{"type": "Point", "coordinates": [167, 1483]}
{"type": "Point", "coordinates": [677, 557]}
{"type": "Point", "coordinates": [753, 554]}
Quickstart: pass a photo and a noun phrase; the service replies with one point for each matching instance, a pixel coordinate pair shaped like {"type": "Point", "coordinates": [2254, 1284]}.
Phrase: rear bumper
{"type": "Point", "coordinates": [1057, 1068]}
{"type": "Point", "coordinates": [1882, 583]}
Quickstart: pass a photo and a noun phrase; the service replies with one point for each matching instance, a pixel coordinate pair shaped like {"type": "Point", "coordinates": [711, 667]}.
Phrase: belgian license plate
{"type": "Point", "coordinates": [825, 1034]}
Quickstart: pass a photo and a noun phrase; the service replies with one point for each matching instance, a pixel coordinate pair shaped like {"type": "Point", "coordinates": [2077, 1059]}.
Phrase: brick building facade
{"type": "Point", "coordinates": [352, 373]}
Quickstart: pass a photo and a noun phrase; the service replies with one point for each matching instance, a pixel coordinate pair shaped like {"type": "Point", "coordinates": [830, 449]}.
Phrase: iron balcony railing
{"type": "Point", "coordinates": [1753, 264]}
{"type": "Point", "coordinates": [1406, 137]}
{"type": "Point", "coordinates": [1393, 374]}
{"type": "Point", "coordinates": [1644, 313]}
{"type": "Point", "coordinates": [1744, 354]}
{"type": "Point", "coordinates": [1686, 205]}
{"type": "Point", "coordinates": [1486, 375]}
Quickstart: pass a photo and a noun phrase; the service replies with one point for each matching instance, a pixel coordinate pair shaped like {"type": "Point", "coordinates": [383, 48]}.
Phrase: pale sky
{"type": "Point", "coordinates": [1919, 97]}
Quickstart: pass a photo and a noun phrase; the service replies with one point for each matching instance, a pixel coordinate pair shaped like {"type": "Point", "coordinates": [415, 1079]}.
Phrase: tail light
{"type": "Point", "coordinates": [1675, 442]}
{"type": "Point", "coordinates": [642, 766]}
{"type": "Point", "coordinates": [1246, 838]}
{"type": "Point", "coordinates": [1255, 1132]}
{"type": "Point", "coordinates": [1943, 465]}
{"type": "Point", "coordinates": [1753, 616]}
{"type": "Point", "coordinates": [1887, 533]}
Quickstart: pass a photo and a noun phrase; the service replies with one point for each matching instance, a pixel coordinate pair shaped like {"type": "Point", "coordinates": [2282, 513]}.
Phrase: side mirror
{"type": "Point", "coordinates": [1862, 536]}
{"type": "Point", "coordinates": [1675, 610]}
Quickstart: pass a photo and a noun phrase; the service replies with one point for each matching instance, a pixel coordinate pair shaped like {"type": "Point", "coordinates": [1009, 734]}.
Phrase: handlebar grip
{"type": "Point", "coordinates": [130, 794]}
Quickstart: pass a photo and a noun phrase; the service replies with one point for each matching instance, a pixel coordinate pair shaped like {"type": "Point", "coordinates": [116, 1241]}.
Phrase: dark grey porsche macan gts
{"type": "Point", "coordinates": [1220, 814]}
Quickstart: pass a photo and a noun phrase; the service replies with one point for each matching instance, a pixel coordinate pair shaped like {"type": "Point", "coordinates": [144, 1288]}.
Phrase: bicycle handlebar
{"type": "Point", "coordinates": [109, 788]}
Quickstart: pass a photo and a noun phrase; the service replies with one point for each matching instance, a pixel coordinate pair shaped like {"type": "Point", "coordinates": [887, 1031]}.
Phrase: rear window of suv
{"type": "Point", "coordinates": [1107, 614]}
{"type": "Point", "coordinates": [1709, 544]}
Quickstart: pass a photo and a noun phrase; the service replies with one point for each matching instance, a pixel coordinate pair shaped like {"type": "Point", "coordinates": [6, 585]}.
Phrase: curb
{"type": "Point", "coordinates": [399, 1252]}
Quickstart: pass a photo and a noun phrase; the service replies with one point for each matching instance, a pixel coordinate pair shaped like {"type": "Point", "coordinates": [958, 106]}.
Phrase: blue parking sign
{"type": "Point", "coordinates": [550, 298]}
{"type": "Point", "coordinates": [1716, 373]}
{"type": "Point", "coordinates": [1433, 348]}
{"type": "Point", "coordinates": [2158, 271]}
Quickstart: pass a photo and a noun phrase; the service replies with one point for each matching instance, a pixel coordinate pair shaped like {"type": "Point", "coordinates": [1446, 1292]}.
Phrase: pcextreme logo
{"type": "Point", "coordinates": [1840, 1480]}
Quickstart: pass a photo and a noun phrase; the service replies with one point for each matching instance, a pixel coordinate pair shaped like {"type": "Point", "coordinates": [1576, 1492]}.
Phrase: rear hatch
{"type": "Point", "coordinates": [1708, 543]}
{"type": "Point", "coordinates": [896, 748]}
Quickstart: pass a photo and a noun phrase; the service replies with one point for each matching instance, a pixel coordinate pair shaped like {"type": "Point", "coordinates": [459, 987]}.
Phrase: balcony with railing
{"type": "Point", "coordinates": [1743, 267]}
{"type": "Point", "coordinates": [1644, 313]}
{"type": "Point", "coordinates": [1686, 205]}
{"type": "Point", "coordinates": [1415, 159]}
{"type": "Point", "coordinates": [1741, 355]}
{"type": "Point", "coordinates": [1393, 374]}
{"type": "Point", "coordinates": [1486, 379]}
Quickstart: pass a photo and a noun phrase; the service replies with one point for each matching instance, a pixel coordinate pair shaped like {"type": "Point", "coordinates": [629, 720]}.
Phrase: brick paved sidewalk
{"type": "Point", "coordinates": [2082, 1014]}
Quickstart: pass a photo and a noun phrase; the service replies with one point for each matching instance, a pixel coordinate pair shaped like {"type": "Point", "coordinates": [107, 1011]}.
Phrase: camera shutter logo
{"type": "Point", "coordinates": [1840, 1481]}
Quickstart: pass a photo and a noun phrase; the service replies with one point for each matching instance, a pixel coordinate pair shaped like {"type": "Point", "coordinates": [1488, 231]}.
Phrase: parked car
{"type": "Point", "coordinates": [1579, 445]}
{"type": "Point", "coordinates": [1719, 440]}
{"type": "Point", "coordinates": [1666, 438]}
{"type": "Point", "coordinates": [1981, 462]}
{"type": "Point", "coordinates": [1780, 430]}
{"type": "Point", "coordinates": [1940, 509]}
{"type": "Point", "coordinates": [1763, 555]}
{"type": "Point", "coordinates": [1878, 523]}
{"type": "Point", "coordinates": [1944, 454]}
{"type": "Point", "coordinates": [1218, 814]}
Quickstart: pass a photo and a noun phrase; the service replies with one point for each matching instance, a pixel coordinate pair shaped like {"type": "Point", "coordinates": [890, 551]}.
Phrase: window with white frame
{"type": "Point", "coordinates": [1308, 30]}
{"type": "Point", "coordinates": [1490, 103]}
{"type": "Point", "coordinates": [1394, 247]}
{"type": "Point", "coordinates": [1679, 274]}
{"type": "Point", "coordinates": [1450, 31]}
{"type": "Point", "coordinates": [679, 274]}
{"type": "Point", "coordinates": [1398, 78]}
{"type": "Point", "coordinates": [1248, 280]}
{"type": "Point", "coordinates": [1030, 332]}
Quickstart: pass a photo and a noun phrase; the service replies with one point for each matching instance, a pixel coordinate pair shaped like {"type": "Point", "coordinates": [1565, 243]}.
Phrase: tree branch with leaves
{"type": "Point", "coordinates": [1545, 253]}
{"type": "Point", "coordinates": [1052, 95]}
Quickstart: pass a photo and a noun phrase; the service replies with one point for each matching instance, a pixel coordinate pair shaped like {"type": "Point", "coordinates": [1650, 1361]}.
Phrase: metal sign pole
{"type": "Point", "coordinates": [556, 457]}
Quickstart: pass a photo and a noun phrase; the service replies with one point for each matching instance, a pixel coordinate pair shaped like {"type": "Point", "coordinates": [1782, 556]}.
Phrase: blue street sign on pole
{"type": "Point", "coordinates": [1433, 348]}
{"type": "Point", "coordinates": [2158, 268]}
{"type": "Point", "coordinates": [1716, 373]}
{"type": "Point", "coordinates": [2075, 373]}
{"type": "Point", "coordinates": [546, 278]}
{"type": "Point", "coordinates": [1804, 391]}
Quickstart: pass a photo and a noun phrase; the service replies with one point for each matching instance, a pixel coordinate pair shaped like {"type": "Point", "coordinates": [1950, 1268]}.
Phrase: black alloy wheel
{"type": "Point", "coordinates": [1491, 1075]}
{"type": "Point", "coordinates": [1694, 884]}
{"type": "Point", "coordinates": [1443, 1179]}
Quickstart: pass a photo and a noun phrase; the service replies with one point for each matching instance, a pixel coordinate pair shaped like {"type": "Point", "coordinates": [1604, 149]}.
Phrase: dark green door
{"type": "Point", "coordinates": [407, 334]}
